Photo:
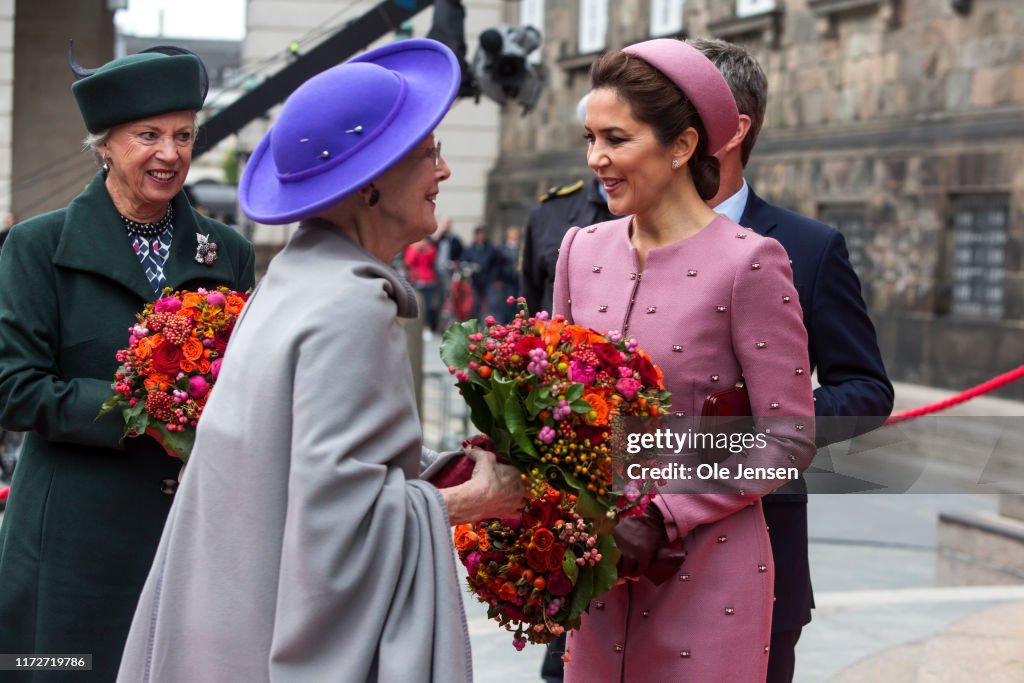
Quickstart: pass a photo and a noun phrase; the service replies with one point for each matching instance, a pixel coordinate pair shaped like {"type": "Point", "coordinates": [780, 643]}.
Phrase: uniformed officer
{"type": "Point", "coordinates": [561, 207]}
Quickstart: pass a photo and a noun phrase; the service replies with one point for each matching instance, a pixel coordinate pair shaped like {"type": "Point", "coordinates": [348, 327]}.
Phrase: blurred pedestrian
{"type": "Point", "coordinates": [508, 279]}
{"type": "Point", "coordinates": [449, 251]}
{"type": "Point", "coordinates": [420, 266]}
{"type": "Point", "coordinates": [485, 266]}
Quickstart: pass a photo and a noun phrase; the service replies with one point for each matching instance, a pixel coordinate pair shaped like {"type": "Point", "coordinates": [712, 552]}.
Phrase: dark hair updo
{"type": "Point", "coordinates": [655, 100]}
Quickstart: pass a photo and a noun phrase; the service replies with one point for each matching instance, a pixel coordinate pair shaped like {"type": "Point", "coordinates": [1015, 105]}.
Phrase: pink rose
{"type": "Point", "coordinates": [216, 299]}
{"type": "Point", "coordinates": [169, 304]}
{"type": "Point", "coordinates": [215, 367]}
{"type": "Point", "coordinates": [197, 386]}
{"type": "Point", "coordinates": [473, 562]}
{"type": "Point", "coordinates": [627, 386]}
{"type": "Point", "coordinates": [582, 372]}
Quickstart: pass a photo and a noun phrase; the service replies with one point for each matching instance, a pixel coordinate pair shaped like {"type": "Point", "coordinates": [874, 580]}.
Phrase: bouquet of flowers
{"type": "Point", "coordinates": [171, 362]}
{"type": "Point", "coordinates": [545, 392]}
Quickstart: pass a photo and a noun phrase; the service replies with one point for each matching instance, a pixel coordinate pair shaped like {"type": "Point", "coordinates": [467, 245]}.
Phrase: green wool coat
{"type": "Point", "coordinates": [86, 509]}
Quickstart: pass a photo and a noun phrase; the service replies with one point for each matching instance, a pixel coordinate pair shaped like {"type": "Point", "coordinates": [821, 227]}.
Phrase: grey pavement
{"type": "Point", "coordinates": [880, 616]}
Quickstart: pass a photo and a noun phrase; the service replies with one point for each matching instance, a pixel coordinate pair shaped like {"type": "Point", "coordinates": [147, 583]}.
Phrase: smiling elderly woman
{"type": "Point", "coordinates": [87, 507]}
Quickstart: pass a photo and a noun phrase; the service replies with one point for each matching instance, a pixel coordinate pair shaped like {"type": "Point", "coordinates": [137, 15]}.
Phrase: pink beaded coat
{"type": "Point", "coordinates": [710, 309]}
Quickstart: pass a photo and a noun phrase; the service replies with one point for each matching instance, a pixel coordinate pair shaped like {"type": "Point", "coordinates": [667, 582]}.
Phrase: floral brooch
{"type": "Point", "coordinates": [206, 251]}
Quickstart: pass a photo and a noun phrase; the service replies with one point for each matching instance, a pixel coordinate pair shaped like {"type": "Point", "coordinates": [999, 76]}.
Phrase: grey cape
{"type": "Point", "coordinates": [301, 546]}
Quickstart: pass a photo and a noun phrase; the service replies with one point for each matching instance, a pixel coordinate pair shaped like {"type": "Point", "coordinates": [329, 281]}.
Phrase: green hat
{"type": "Point", "coordinates": [138, 86]}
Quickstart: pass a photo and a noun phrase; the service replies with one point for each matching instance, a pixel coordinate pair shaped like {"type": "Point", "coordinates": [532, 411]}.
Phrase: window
{"type": "Point", "coordinates": [593, 26]}
{"type": "Point", "coordinates": [753, 21]}
{"type": "Point", "coordinates": [666, 17]}
{"type": "Point", "coordinates": [531, 13]}
{"type": "Point", "coordinates": [978, 273]}
{"type": "Point", "coordinates": [750, 8]}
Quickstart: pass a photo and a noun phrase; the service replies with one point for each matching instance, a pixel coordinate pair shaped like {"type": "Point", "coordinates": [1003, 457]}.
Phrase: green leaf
{"type": "Point", "coordinates": [582, 592]}
{"type": "Point", "coordinates": [479, 412]}
{"type": "Point", "coordinates": [581, 405]}
{"type": "Point", "coordinates": [588, 507]}
{"type": "Point", "coordinates": [136, 424]}
{"type": "Point", "coordinates": [179, 442]}
{"type": "Point", "coordinates": [515, 421]}
{"type": "Point", "coordinates": [569, 566]}
{"type": "Point", "coordinates": [134, 411]}
{"type": "Point", "coordinates": [495, 406]}
{"type": "Point", "coordinates": [537, 400]}
{"type": "Point", "coordinates": [502, 441]}
{"type": "Point", "coordinates": [455, 344]}
{"type": "Point", "coordinates": [605, 573]}
{"type": "Point", "coordinates": [110, 404]}
{"type": "Point", "coordinates": [574, 392]}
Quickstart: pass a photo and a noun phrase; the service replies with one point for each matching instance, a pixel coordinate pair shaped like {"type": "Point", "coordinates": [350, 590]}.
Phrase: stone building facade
{"type": "Point", "coordinates": [902, 123]}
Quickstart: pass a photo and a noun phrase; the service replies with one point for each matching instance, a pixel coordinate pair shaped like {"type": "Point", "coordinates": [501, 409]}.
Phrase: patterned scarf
{"type": "Point", "coordinates": [152, 244]}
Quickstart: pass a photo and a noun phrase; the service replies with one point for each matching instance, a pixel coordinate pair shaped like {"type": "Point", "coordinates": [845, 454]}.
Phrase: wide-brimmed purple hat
{"type": "Point", "coordinates": [345, 126]}
{"type": "Point", "coordinates": [701, 82]}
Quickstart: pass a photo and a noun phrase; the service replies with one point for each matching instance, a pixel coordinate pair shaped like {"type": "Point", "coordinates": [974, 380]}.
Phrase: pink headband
{"type": "Point", "coordinates": [700, 81]}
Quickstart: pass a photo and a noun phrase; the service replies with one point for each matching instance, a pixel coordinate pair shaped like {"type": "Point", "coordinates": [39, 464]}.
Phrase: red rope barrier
{"type": "Point", "coordinates": [983, 388]}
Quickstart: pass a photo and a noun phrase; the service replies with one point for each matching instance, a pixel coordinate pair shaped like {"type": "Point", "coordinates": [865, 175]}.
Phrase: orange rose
{"type": "Point", "coordinates": [188, 367]}
{"type": "Point", "coordinates": [234, 305]}
{"type": "Point", "coordinates": [465, 538]}
{"type": "Point", "coordinates": [204, 366]}
{"type": "Point", "coordinates": [577, 334]}
{"type": "Point", "coordinates": [584, 335]}
{"type": "Point", "coordinates": [483, 542]}
{"type": "Point", "coordinates": [192, 348]}
{"type": "Point", "coordinates": [543, 539]}
{"type": "Point", "coordinates": [144, 347]}
{"type": "Point", "coordinates": [508, 591]}
{"type": "Point", "coordinates": [599, 407]}
{"type": "Point", "coordinates": [191, 300]}
{"type": "Point", "coordinates": [157, 381]}
{"type": "Point", "coordinates": [555, 557]}
{"type": "Point", "coordinates": [537, 559]}
{"type": "Point", "coordinates": [552, 333]}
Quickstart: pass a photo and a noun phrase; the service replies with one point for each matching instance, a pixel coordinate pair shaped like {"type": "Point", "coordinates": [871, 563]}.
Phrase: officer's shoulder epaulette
{"type": "Point", "coordinates": [561, 191]}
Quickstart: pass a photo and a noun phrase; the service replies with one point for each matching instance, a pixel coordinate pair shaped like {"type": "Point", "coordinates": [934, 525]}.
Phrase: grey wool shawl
{"type": "Point", "coordinates": [301, 546]}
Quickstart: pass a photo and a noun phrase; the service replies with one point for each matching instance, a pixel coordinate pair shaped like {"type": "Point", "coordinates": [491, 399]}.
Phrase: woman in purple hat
{"type": "Point", "coordinates": [713, 303]}
{"type": "Point", "coordinates": [302, 545]}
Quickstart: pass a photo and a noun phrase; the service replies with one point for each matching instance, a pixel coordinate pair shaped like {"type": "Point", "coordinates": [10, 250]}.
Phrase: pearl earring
{"type": "Point", "coordinates": [675, 163]}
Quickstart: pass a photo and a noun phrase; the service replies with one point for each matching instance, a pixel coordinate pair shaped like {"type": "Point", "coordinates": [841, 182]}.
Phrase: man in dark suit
{"type": "Point", "coordinates": [842, 343]}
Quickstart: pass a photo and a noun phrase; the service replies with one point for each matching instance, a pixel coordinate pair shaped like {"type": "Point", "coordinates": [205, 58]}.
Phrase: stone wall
{"type": "Point", "coordinates": [900, 122]}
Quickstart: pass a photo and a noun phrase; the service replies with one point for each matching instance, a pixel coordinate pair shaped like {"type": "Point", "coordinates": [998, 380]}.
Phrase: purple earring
{"type": "Point", "coordinates": [374, 198]}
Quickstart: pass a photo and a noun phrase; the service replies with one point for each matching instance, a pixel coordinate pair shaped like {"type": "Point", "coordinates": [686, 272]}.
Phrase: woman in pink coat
{"type": "Point", "coordinates": [713, 303]}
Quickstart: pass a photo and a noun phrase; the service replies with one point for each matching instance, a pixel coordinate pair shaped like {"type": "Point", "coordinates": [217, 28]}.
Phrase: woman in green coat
{"type": "Point", "coordinates": [87, 507]}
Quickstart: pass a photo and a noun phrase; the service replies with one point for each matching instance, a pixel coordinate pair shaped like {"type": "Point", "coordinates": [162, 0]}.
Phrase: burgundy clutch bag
{"type": "Point", "coordinates": [460, 468]}
{"type": "Point", "coordinates": [725, 412]}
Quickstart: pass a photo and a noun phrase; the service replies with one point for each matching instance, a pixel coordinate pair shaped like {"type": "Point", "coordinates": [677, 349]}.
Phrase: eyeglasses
{"type": "Point", "coordinates": [435, 152]}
